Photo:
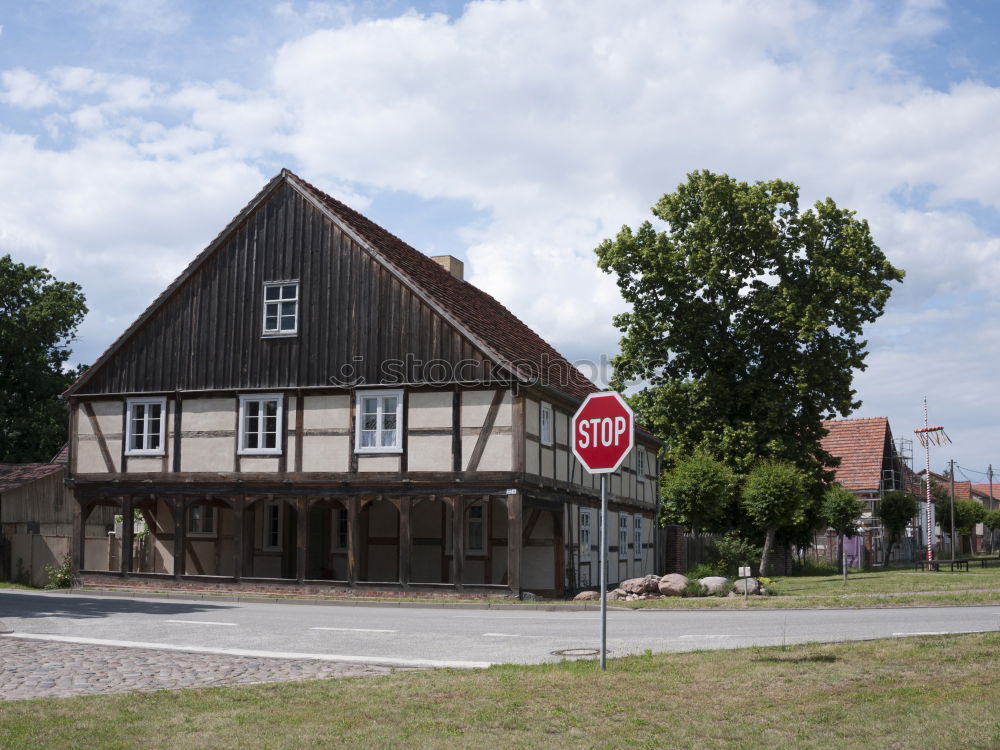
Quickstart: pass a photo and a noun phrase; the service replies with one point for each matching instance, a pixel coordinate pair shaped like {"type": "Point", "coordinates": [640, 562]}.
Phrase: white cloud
{"type": "Point", "coordinates": [26, 90]}
{"type": "Point", "coordinates": [157, 16]}
{"type": "Point", "coordinates": [558, 120]}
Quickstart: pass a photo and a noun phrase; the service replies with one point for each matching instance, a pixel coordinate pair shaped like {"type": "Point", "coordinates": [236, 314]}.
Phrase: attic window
{"type": "Point", "coordinates": [281, 308]}
{"type": "Point", "coordinates": [145, 426]}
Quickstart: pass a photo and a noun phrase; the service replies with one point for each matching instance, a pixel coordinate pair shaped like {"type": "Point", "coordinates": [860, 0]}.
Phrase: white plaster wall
{"type": "Point", "coordinates": [261, 464]}
{"type": "Point", "coordinates": [378, 463]}
{"type": "Point", "coordinates": [213, 453]}
{"type": "Point", "coordinates": [531, 465]}
{"type": "Point", "coordinates": [429, 452]}
{"type": "Point", "coordinates": [562, 464]}
{"type": "Point", "coordinates": [145, 463]}
{"type": "Point", "coordinates": [548, 462]}
{"type": "Point", "coordinates": [326, 453]}
{"type": "Point", "coordinates": [431, 410]}
{"type": "Point", "coordinates": [110, 416]}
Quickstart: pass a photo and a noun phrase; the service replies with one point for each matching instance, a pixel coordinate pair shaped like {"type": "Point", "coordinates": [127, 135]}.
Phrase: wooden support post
{"type": "Point", "coordinates": [180, 536]}
{"type": "Point", "coordinates": [514, 543]}
{"type": "Point", "coordinates": [558, 523]}
{"type": "Point", "coordinates": [301, 514]}
{"type": "Point", "coordinates": [79, 535]}
{"type": "Point", "coordinates": [458, 541]}
{"type": "Point", "coordinates": [238, 532]}
{"type": "Point", "coordinates": [128, 535]}
{"type": "Point", "coordinates": [353, 540]}
{"type": "Point", "coordinates": [405, 540]}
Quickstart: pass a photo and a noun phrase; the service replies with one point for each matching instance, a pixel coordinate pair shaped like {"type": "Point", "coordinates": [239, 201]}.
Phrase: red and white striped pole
{"type": "Point", "coordinates": [927, 435]}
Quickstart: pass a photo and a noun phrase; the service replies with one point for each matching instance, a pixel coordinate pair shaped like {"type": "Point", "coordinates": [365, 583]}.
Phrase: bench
{"type": "Point", "coordinates": [984, 561]}
{"type": "Point", "coordinates": [936, 564]}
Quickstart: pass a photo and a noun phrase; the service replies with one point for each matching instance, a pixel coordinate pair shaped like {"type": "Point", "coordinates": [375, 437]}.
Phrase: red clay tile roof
{"type": "Point", "coordinates": [13, 476]}
{"type": "Point", "coordinates": [62, 457]}
{"type": "Point", "coordinates": [483, 316]}
{"type": "Point", "coordinates": [984, 491]}
{"type": "Point", "coordinates": [860, 446]}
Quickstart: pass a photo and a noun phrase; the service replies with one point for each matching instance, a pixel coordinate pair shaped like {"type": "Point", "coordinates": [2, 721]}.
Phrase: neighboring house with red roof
{"type": "Point", "coordinates": [314, 401]}
{"type": "Point", "coordinates": [870, 465]}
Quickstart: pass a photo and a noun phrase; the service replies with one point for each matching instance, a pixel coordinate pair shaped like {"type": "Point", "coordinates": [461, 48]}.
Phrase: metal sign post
{"type": "Point", "coordinates": [604, 571]}
{"type": "Point", "coordinates": [603, 435]}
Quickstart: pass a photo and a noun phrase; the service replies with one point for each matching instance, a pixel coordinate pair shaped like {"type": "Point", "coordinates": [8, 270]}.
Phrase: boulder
{"type": "Point", "coordinates": [616, 595]}
{"type": "Point", "coordinates": [744, 586]}
{"type": "Point", "coordinates": [527, 596]}
{"type": "Point", "coordinates": [587, 596]}
{"type": "Point", "coordinates": [714, 585]}
{"type": "Point", "coordinates": [673, 584]}
{"type": "Point", "coordinates": [644, 585]}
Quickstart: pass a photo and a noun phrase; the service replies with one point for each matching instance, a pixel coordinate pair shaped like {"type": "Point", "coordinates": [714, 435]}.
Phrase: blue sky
{"type": "Point", "coordinates": [518, 135]}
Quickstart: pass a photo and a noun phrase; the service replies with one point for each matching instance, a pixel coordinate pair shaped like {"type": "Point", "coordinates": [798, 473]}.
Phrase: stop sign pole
{"type": "Point", "coordinates": [603, 434]}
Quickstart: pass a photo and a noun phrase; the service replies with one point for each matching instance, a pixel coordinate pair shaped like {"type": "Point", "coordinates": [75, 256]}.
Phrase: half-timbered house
{"type": "Point", "coordinates": [314, 401]}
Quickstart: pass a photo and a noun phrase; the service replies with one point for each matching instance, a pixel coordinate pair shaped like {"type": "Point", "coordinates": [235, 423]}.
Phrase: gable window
{"type": "Point", "coordinates": [545, 424]}
{"type": "Point", "coordinates": [474, 527]}
{"type": "Point", "coordinates": [145, 426]}
{"type": "Point", "coordinates": [640, 464]}
{"type": "Point", "coordinates": [379, 422]}
{"type": "Point", "coordinates": [584, 534]}
{"type": "Point", "coordinates": [271, 538]}
{"type": "Point", "coordinates": [637, 533]}
{"type": "Point", "coordinates": [622, 536]}
{"type": "Point", "coordinates": [260, 424]}
{"type": "Point", "coordinates": [281, 308]}
{"type": "Point", "coordinates": [203, 520]}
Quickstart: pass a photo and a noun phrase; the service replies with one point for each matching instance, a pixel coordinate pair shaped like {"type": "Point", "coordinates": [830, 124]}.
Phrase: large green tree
{"type": "Point", "coordinates": [746, 319]}
{"type": "Point", "coordinates": [38, 319]}
{"type": "Point", "coordinates": [841, 510]}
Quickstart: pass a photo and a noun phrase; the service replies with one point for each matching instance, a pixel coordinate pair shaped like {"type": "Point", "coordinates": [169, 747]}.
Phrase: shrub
{"type": "Point", "coordinates": [60, 577]}
{"type": "Point", "coordinates": [694, 588]}
{"type": "Point", "coordinates": [704, 570]}
{"type": "Point", "coordinates": [734, 551]}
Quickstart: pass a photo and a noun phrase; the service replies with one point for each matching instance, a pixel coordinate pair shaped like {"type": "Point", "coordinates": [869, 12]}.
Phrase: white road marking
{"type": "Point", "coordinates": [510, 635]}
{"type": "Point", "coordinates": [358, 630]}
{"type": "Point", "coordinates": [942, 632]}
{"type": "Point", "coordinates": [706, 636]}
{"type": "Point", "coordinates": [205, 622]}
{"type": "Point", "coordinates": [347, 658]}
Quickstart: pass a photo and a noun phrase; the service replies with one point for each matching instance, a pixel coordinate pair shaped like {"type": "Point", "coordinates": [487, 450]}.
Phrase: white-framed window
{"type": "Point", "coordinates": [145, 426]}
{"type": "Point", "coordinates": [585, 534]}
{"type": "Point", "coordinates": [260, 424]}
{"type": "Point", "coordinates": [379, 422]}
{"type": "Point", "coordinates": [281, 308]}
{"type": "Point", "coordinates": [640, 464]}
{"type": "Point", "coordinates": [545, 424]}
{"type": "Point", "coordinates": [203, 520]}
{"type": "Point", "coordinates": [622, 536]}
{"type": "Point", "coordinates": [340, 529]}
{"type": "Point", "coordinates": [475, 529]}
{"type": "Point", "coordinates": [271, 533]}
{"type": "Point", "coordinates": [637, 537]}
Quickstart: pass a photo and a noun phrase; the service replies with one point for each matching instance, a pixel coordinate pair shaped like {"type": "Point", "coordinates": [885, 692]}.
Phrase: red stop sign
{"type": "Point", "coordinates": [603, 432]}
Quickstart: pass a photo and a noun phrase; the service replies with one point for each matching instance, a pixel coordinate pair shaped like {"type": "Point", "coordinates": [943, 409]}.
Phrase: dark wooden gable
{"type": "Point", "coordinates": [204, 333]}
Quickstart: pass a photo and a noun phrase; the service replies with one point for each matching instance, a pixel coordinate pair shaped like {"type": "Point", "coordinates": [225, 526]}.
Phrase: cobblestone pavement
{"type": "Point", "coordinates": [38, 669]}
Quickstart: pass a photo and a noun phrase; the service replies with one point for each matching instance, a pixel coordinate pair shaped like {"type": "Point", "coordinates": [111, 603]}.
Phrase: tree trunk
{"type": "Point", "coordinates": [888, 551]}
{"type": "Point", "coordinates": [765, 567]}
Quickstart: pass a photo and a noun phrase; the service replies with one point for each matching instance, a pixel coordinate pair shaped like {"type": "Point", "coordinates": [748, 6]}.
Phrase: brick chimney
{"type": "Point", "coordinates": [451, 264]}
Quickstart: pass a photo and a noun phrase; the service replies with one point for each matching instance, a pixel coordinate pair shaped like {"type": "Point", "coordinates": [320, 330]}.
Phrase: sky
{"type": "Point", "coordinates": [517, 136]}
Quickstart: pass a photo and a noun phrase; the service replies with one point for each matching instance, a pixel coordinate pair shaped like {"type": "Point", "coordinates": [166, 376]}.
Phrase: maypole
{"type": "Point", "coordinates": [927, 435]}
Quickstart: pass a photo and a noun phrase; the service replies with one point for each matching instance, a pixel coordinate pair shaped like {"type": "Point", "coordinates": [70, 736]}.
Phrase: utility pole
{"type": "Point", "coordinates": [951, 471]}
{"type": "Point", "coordinates": [989, 476]}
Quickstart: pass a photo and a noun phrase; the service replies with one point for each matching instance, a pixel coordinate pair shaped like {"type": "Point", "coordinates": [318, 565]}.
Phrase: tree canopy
{"type": "Point", "coordinates": [698, 493]}
{"type": "Point", "coordinates": [896, 509]}
{"type": "Point", "coordinates": [38, 319]}
{"type": "Point", "coordinates": [746, 319]}
{"type": "Point", "coordinates": [841, 510]}
{"type": "Point", "coordinates": [774, 497]}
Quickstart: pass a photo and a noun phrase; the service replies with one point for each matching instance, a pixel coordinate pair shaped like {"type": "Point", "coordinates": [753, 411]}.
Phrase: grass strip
{"type": "Point", "coordinates": [913, 693]}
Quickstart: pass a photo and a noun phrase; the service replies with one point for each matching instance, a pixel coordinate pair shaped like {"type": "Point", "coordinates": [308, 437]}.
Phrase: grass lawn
{"type": "Point", "coordinates": [894, 587]}
{"type": "Point", "coordinates": [915, 693]}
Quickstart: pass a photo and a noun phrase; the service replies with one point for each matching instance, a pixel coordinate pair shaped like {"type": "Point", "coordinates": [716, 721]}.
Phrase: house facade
{"type": "Point", "coordinates": [315, 401]}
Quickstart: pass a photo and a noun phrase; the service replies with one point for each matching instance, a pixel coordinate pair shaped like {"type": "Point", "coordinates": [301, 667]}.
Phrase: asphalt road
{"type": "Point", "coordinates": [464, 637]}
